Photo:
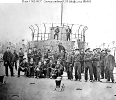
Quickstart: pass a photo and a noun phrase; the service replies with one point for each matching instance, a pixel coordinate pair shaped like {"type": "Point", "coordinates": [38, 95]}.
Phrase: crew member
{"type": "Point", "coordinates": [109, 66]}
{"type": "Point", "coordinates": [68, 32]}
{"type": "Point", "coordinates": [15, 59]}
{"type": "Point", "coordinates": [61, 47]}
{"type": "Point", "coordinates": [23, 67]}
{"type": "Point", "coordinates": [35, 55]}
{"type": "Point", "coordinates": [56, 32]}
{"type": "Point", "coordinates": [88, 65]}
{"type": "Point", "coordinates": [8, 57]}
{"type": "Point", "coordinates": [21, 55]}
{"type": "Point", "coordinates": [96, 65]}
{"type": "Point", "coordinates": [77, 65]}
{"type": "Point", "coordinates": [29, 55]}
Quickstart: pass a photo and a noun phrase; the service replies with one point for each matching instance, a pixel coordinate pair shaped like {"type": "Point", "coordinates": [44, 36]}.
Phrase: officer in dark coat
{"type": "Point", "coordinates": [88, 65]}
{"type": "Point", "coordinates": [57, 30]}
{"type": "Point", "coordinates": [21, 55]}
{"type": "Point", "coordinates": [8, 61]}
{"type": "Point", "coordinates": [109, 66]}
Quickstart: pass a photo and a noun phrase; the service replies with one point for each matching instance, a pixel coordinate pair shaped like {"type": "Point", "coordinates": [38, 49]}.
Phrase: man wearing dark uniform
{"type": "Point", "coordinates": [45, 68]}
{"type": "Point", "coordinates": [59, 68]}
{"type": "Point", "coordinates": [35, 55]}
{"type": "Point", "coordinates": [15, 58]}
{"type": "Point", "coordinates": [68, 32]}
{"type": "Point", "coordinates": [109, 66]}
{"type": "Point", "coordinates": [96, 65]}
{"type": "Point", "coordinates": [21, 55]}
{"type": "Point", "coordinates": [39, 55]}
{"type": "Point", "coordinates": [55, 55]}
{"type": "Point", "coordinates": [31, 68]}
{"type": "Point", "coordinates": [88, 65]}
{"type": "Point", "coordinates": [62, 57]}
{"type": "Point", "coordinates": [50, 66]}
{"type": "Point", "coordinates": [82, 60]}
{"type": "Point", "coordinates": [56, 32]}
{"type": "Point", "coordinates": [72, 65]}
{"type": "Point", "coordinates": [46, 55]}
{"type": "Point", "coordinates": [61, 47]}
{"type": "Point", "coordinates": [8, 57]}
{"type": "Point", "coordinates": [77, 65]}
{"type": "Point", "coordinates": [68, 64]}
{"type": "Point", "coordinates": [23, 67]}
{"type": "Point", "coordinates": [29, 55]}
{"type": "Point", "coordinates": [102, 58]}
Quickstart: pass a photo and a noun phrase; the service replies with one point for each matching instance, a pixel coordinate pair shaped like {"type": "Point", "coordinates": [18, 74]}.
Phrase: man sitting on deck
{"type": "Point", "coordinates": [23, 67]}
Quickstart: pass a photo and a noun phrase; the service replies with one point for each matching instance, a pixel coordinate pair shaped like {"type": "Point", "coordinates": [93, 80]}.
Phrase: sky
{"type": "Point", "coordinates": [99, 16]}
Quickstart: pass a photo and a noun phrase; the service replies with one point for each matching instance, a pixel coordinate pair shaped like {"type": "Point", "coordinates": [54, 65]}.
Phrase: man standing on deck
{"type": "Point", "coordinates": [56, 32]}
{"type": "Point", "coordinates": [68, 32]}
{"type": "Point", "coordinates": [88, 65]}
{"type": "Point", "coordinates": [77, 65]}
{"type": "Point", "coordinates": [35, 55]}
{"type": "Point", "coordinates": [96, 65]}
{"type": "Point", "coordinates": [8, 57]}
{"type": "Point", "coordinates": [102, 58]}
{"type": "Point", "coordinates": [82, 60]}
{"type": "Point", "coordinates": [21, 55]}
{"type": "Point", "coordinates": [109, 66]}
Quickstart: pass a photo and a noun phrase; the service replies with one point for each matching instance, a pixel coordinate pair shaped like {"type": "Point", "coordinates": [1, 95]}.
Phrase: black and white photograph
{"type": "Point", "coordinates": [57, 50]}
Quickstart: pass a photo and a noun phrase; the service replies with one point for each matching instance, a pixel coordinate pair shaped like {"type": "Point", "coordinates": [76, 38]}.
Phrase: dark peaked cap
{"type": "Point", "coordinates": [94, 49]}
{"type": "Point", "coordinates": [87, 49]}
{"type": "Point", "coordinates": [77, 49]}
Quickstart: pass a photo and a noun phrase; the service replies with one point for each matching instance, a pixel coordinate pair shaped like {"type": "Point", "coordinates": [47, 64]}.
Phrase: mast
{"type": "Point", "coordinates": [61, 12]}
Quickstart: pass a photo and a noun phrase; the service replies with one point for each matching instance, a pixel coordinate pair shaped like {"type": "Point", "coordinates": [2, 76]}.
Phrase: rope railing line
{"type": "Point", "coordinates": [77, 33]}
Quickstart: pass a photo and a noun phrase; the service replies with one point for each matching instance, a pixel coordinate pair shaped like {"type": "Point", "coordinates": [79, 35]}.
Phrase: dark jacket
{"type": "Point", "coordinates": [24, 65]}
{"type": "Point", "coordinates": [31, 65]}
{"type": "Point", "coordinates": [35, 54]}
{"type": "Point", "coordinates": [39, 55]}
{"type": "Point", "coordinates": [15, 57]}
{"type": "Point", "coordinates": [61, 48]}
{"type": "Point", "coordinates": [77, 58]}
{"type": "Point", "coordinates": [88, 57]}
{"type": "Point", "coordinates": [21, 54]}
{"type": "Point", "coordinates": [57, 31]}
{"type": "Point", "coordinates": [8, 57]}
{"type": "Point", "coordinates": [109, 62]}
{"type": "Point", "coordinates": [96, 59]}
{"type": "Point", "coordinates": [29, 56]}
{"type": "Point", "coordinates": [68, 31]}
